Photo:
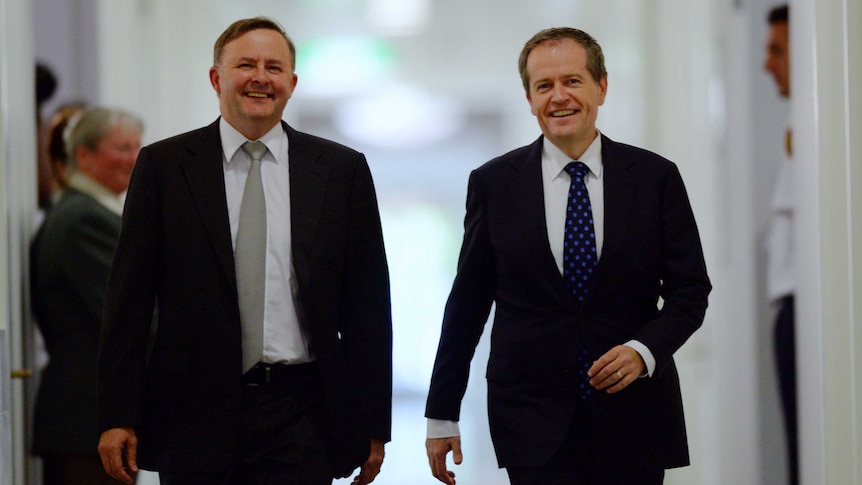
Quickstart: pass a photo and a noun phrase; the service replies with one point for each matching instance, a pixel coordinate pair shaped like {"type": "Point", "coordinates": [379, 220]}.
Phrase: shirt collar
{"type": "Point", "coordinates": [232, 140]}
{"type": "Point", "coordinates": [592, 157]}
{"type": "Point", "coordinates": [90, 187]}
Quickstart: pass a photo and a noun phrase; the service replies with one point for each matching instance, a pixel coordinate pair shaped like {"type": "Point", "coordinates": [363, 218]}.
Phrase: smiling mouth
{"type": "Point", "coordinates": [257, 95]}
{"type": "Point", "coordinates": [561, 113]}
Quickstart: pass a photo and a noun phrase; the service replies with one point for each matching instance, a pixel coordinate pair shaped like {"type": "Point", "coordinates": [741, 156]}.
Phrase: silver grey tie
{"type": "Point", "coordinates": [250, 259]}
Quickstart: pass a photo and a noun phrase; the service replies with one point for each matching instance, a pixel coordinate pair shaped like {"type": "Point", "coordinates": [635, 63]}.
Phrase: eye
{"type": "Point", "coordinates": [275, 69]}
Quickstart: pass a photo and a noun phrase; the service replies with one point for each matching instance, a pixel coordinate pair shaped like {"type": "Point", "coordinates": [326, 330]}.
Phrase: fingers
{"type": "Point", "coordinates": [118, 448]}
{"type": "Point", "coordinates": [364, 477]}
{"type": "Point", "coordinates": [616, 369]}
{"type": "Point", "coordinates": [456, 452]}
{"type": "Point", "coordinates": [437, 449]}
{"type": "Point", "coordinates": [131, 454]}
{"type": "Point", "coordinates": [371, 468]}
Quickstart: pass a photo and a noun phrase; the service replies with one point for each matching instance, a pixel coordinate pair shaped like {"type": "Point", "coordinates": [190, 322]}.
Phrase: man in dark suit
{"type": "Point", "coordinates": [202, 401]}
{"type": "Point", "coordinates": [582, 385]}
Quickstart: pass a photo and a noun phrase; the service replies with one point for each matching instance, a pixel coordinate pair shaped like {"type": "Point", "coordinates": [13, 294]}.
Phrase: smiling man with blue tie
{"type": "Point", "coordinates": [575, 239]}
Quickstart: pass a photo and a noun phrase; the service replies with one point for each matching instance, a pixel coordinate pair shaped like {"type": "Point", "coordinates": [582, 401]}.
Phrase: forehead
{"type": "Point", "coordinates": [257, 43]}
{"type": "Point", "coordinates": [555, 55]}
{"type": "Point", "coordinates": [778, 32]}
{"type": "Point", "coordinates": [121, 129]}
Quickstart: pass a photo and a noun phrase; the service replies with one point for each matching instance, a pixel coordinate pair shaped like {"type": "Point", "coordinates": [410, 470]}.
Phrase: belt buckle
{"type": "Point", "coordinates": [257, 380]}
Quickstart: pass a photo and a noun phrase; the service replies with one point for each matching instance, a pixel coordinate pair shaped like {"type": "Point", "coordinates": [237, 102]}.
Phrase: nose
{"type": "Point", "coordinates": [131, 155]}
{"type": "Point", "coordinates": [259, 74]}
{"type": "Point", "coordinates": [558, 93]}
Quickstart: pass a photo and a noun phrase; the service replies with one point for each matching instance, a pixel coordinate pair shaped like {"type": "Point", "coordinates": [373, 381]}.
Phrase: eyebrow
{"type": "Point", "coordinates": [254, 59]}
{"type": "Point", "coordinates": [565, 76]}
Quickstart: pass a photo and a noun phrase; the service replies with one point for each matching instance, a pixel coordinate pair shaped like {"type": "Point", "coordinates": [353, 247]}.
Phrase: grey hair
{"type": "Point", "coordinates": [88, 127]}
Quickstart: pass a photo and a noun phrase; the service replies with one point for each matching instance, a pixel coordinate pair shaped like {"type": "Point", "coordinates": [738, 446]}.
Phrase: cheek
{"type": "Point", "coordinates": [124, 164]}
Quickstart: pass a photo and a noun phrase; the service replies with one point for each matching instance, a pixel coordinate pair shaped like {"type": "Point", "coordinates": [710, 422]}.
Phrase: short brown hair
{"type": "Point", "coordinates": [595, 58]}
{"type": "Point", "coordinates": [243, 26]}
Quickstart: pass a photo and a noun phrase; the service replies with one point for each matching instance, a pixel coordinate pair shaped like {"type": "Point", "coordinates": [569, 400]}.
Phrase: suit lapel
{"type": "Point", "coordinates": [525, 185]}
{"type": "Point", "coordinates": [307, 189]}
{"type": "Point", "coordinates": [619, 186]}
{"type": "Point", "coordinates": [528, 196]}
{"type": "Point", "coordinates": [204, 175]}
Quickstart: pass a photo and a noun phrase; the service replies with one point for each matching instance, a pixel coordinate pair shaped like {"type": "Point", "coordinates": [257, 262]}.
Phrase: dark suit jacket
{"type": "Point", "coordinates": [70, 259]}
{"type": "Point", "coordinates": [184, 397]}
{"type": "Point", "coordinates": [651, 249]}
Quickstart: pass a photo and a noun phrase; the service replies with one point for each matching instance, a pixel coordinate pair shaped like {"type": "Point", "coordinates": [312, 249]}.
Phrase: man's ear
{"type": "Point", "coordinates": [214, 78]}
{"type": "Point", "coordinates": [530, 102]}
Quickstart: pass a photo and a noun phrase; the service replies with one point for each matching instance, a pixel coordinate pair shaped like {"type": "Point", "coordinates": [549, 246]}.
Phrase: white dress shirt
{"type": "Point", "coordinates": [283, 338]}
{"type": "Point", "coordinates": [88, 185]}
{"type": "Point", "coordinates": [555, 184]}
{"type": "Point", "coordinates": [780, 270]}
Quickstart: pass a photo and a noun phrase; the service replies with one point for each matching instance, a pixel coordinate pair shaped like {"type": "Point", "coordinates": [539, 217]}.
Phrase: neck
{"type": "Point", "coordinates": [252, 131]}
{"type": "Point", "coordinates": [574, 148]}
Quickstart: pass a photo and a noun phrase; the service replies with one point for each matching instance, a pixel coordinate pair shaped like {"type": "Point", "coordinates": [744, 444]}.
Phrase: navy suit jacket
{"type": "Point", "coordinates": [183, 392]}
{"type": "Point", "coordinates": [651, 250]}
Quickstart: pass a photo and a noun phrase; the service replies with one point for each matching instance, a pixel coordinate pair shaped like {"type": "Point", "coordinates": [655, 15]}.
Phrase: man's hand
{"type": "Point", "coordinates": [615, 370]}
{"type": "Point", "coordinates": [118, 448]}
{"type": "Point", "coordinates": [371, 468]}
{"type": "Point", "coordinates": [437, 450]}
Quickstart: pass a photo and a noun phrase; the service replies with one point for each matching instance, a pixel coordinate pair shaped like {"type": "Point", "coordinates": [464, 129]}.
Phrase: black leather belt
{"type": "Point", "coordinates": [265, 374]}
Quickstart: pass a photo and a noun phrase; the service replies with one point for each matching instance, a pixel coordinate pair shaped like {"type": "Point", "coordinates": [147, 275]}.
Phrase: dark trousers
{"type": "Point", "coordinates": [74, 469]}
{"type": "Point", "coordinates": [785, 359]}
{"type": "Point", "coordinates": [577, 463]}
{"type": "Point", "coordinates": [284, 436]}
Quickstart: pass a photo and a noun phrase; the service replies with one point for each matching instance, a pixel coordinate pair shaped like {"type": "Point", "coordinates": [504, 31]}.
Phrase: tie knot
{"type": "Point", "coordinates": [577, 169]}
{"type": "Point", "coordinates": [255, 149]}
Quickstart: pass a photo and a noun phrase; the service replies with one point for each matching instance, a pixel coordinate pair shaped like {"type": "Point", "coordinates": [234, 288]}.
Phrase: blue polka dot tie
{"type": "Point", "coordinates": [579, 246]}
{"type": "Point", "coordinates": [579, 257]}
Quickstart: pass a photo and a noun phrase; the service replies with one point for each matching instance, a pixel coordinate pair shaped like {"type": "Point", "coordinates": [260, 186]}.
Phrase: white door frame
{"type": "Point", "coordinates": [827, 67]}
{"type": "Point", "coordinates": [18, 209]}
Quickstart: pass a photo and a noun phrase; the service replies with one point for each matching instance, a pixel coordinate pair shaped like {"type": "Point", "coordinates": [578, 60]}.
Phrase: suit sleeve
{"type": "Point", "coordinates": [367, 330]}
{"type": "Point", "coordinates": [685, 285]}
{"type": "Point", "coordinates": [129, 303]}
{"type": "Point", "coordinates": [467, 310]}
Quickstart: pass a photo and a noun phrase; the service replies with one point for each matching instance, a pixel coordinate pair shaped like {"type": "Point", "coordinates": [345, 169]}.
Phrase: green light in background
{"type": "Point", "coordinates": [328, 64]}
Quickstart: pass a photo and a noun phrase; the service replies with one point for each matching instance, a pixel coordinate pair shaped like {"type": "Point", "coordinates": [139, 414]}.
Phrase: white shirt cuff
{"type": "Point", "coordinates": [645, 354]}
{"type": "Point", "coordinates": [442, 428]}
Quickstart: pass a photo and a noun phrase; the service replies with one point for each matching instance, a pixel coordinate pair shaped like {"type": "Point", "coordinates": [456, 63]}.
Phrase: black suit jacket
{"type": "Point", "coordinates": [183, 396]}
{"type": "Point", "coordinates": [651, 250]}
{"type": "Point", "coordinates": [70, 259]}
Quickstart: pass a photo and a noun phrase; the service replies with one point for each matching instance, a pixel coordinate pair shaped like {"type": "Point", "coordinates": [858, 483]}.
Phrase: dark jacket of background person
{"type": "Point", "coordinates": [70, 260]}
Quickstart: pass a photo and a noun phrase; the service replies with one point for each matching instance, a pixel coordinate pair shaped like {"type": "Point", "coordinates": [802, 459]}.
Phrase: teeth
{"type": "Point", "coordinates": [563, 113]}
{"type": "Point", "coordinates": [258, 95]}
